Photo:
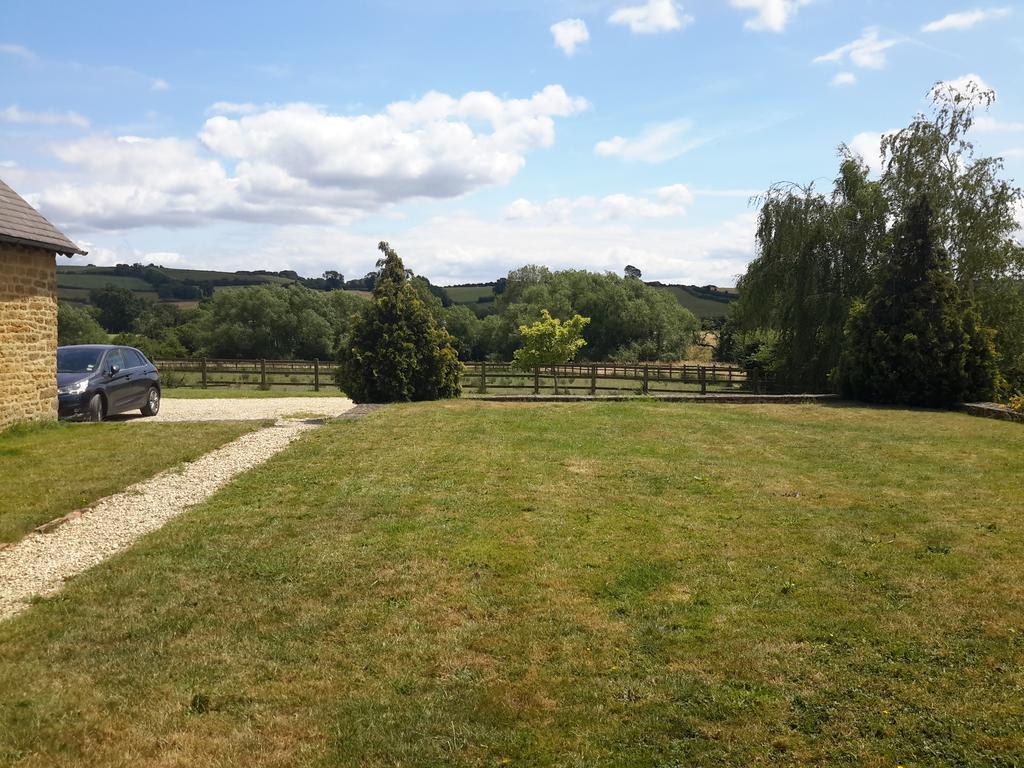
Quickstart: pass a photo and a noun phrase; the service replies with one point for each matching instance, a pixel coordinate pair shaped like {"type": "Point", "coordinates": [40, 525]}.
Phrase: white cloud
{"type": "Point", "coordinates": [299, 163]}
{"type": "Point", "coordinates": [233, 108]}
{"type": "Point", "coordinates": [965, 19]}
{"type": "Point", "coordinates": [667, 202]}
{"type": "Point", "coordinates": [569, 34]}
{"type": "Point", "coordinates": [651, 17]}
{"type": "Point", "coordinates": [967, 84]}
{"type": "Point", "coordinates": [867, 51]}
{"type": "Point", "coordinates": [987, 124]}
{"type": "Point", "coordinates": [844, 78]}
{"type": "Point", "coordinates": [770, 15]}
{"type": "Point", "coordinates": [869, 146]}
{"type": "Point", "coordinates": [157, 84]}
{"type": "Point", "coordinates": [18, 51]}
{"type": "Point", "coordinates": [464, 247]}
{"type": "Point", "coordinates": [656, 144]}
{"type": "Point", "coordinates": [14, 114]}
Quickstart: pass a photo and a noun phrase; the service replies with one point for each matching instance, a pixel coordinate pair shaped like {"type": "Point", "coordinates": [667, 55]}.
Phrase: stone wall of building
{"type": "Point", "coordinates": [28, 334]}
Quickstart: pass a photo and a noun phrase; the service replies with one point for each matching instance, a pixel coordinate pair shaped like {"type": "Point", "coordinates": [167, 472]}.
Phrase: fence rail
{"type": "Point", "coordinates": [484, 377]}
{"type": "Point", "coordinates": [264, 374]}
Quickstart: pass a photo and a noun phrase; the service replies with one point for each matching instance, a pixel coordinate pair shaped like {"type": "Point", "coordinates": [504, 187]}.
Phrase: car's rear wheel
{"type": "Point", "coordinates": [95, 410]}
{"type": "Point", "coordinates": [152, 406]}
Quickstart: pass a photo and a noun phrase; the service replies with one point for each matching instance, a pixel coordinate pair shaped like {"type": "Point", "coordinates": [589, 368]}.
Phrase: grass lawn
{"type": "Point", "coordinates": [51, 469]}
{"type": "Point", "coordinates": [197, 393]}
{"type": "Point", "coordinates": [627, 584]}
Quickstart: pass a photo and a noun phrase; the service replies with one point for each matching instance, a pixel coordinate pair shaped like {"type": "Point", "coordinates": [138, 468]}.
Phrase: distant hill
{"type": "Point", "coordinates": [186, 287]}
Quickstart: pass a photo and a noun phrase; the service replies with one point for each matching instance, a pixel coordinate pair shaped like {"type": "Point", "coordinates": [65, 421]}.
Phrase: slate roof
{"type": "Point", "coordinates": [22, 224]}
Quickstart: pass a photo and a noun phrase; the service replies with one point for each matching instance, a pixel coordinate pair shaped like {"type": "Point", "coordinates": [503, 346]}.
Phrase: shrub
{"type": "Point", "coordinates": [1017, 403]}
{"type": "Point", "coordinates": [396, 351]}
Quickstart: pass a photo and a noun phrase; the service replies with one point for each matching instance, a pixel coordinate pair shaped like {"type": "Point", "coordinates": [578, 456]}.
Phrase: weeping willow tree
{"type": "Point", "coordinates": [816, 254]}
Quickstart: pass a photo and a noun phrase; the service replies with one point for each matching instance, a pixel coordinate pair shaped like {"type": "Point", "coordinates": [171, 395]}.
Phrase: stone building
{"type": "Point", "coordinates": [29, 245]}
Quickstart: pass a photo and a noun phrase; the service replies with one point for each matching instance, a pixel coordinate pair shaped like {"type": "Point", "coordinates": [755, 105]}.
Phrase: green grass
{"type": "Point", "coordinates": [468, 294]}
{"type": "Point", "coordinates": [90, 281]}
{"type": "Point", "coordinates": [51, 469]}
{"type": "Point", "coordinates": [632, 584]}
{"type": "Point", "coordinates": [190, 393]}
{"type": "Point", "coordinates": [700, 306]}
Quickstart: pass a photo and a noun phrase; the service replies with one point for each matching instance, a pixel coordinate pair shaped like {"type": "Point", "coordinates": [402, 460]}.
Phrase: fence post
{"type": "Point", "coordinates": [752, 376]}
{"type": "Point", "coordinates": [263, 374]}
{"type": "Point", "coordinates": [316, 374]}
{"type": "Point", "coordinates": [647, 375]}
{"type": "Point", "coordinates": [702, 374]}
{"type": "Point", "coordinates": [536, 380]}
{"type": "Point", "coordinates": [593, 380]}
{"type": "Point", "coordinates": [483, 377]}
{"type": "Point", "coordinates": [204, 373]}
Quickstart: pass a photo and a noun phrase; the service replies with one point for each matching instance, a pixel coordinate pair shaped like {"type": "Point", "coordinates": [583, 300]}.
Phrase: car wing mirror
{"type": "Point", "coordinates": [114, 370]}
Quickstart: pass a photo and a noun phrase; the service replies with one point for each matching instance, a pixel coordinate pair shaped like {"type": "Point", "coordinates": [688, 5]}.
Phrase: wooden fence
{"type": "Point", "coordinates": [482, 378]}
{"type": "Point", "coordinates": [261, 374]}
{"type": "Point", "coordinates": [619, 378]}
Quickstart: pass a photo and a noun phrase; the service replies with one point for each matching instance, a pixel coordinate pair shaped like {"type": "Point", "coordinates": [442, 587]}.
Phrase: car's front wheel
{"type": "Point", "coordinates": [152, 406]}
{"type": "Point", "coordinates": [95, 409]}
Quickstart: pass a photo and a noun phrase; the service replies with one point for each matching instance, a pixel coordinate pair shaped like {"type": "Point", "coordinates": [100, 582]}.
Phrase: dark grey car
{"type": "Point", "coordinates": [98, 380]}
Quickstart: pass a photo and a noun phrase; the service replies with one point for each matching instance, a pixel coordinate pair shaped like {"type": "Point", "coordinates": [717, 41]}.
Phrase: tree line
{"type": "Point", "coordinates": [630, 320]}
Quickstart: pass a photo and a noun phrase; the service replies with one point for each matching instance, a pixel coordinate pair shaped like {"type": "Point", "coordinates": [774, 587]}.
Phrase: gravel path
{"type": "Point", "coordinates": [242, 408]}
{"type": "Point", "coordinates": [39, 563]}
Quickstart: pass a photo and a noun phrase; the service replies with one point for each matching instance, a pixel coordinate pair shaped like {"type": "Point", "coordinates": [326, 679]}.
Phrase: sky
{"type": "Point", "coordinates": [475, 136]}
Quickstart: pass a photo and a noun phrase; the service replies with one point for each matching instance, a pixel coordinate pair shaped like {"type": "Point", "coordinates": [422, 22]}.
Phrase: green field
{"type": "Point", "coordinates": [468, 294]}
{"type": "Point", "coordinates": [634, 584]}
{"type": "Point", "coordinates": [106, 458]}
{"type": "Point", "coordinates": [700, 306]}
{"type": "Point", "coordinates": [90, 281]}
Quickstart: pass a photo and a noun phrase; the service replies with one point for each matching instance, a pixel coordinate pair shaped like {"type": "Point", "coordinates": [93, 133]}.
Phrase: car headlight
{"type": "Point", "coordinates": [74, 389]}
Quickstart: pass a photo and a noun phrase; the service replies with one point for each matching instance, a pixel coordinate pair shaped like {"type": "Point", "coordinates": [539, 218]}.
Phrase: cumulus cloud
{"type": "Point", "coordinates": [968, 84]}
{"type": "Point", "coordinates": [569, 34]}
{"type": "Point", "coordinates": [651, 17]}
{"type": "Point", "coordinates": [14, 114]}
{"type": "Point", "coordinates": [965, 19]}
{"type": "Point", "coordinates": [868, 145]}
{"type": "Point", "coordinates": [667, 202]}
{"type": "Point", "coordinates": [770, 15]}
{"type": "Point", "coordinates": [462, 247]}
{"type": "Point", "coordinates": [867, 51]}
{"type": "Point", "coordinates": [300, 163]}
{"type": "Point", "coordinates": [656, 144]}
{"type": "Point", "coordinates": [844, 78]}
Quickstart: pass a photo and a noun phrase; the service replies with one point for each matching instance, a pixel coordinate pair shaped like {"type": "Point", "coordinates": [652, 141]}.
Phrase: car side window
{"type": "Point", "coordinates": [114, 357]}
{"type": "Point", "coordinates": [133, 358]}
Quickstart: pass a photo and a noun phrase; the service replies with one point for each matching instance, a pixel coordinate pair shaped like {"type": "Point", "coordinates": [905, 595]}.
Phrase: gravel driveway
{"type": "Point", "coordinates": [243, 408]}
{"type": "Point", "coordinates": [39, 563]}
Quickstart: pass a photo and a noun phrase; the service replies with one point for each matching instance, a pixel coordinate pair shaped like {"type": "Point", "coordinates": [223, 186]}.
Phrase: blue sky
{"type": "Point", "coordinates": [474, 135]}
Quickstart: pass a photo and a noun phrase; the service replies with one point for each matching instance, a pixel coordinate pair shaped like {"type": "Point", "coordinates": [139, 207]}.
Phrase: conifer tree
{"type": "Point", "coordinates": [915, 339]}
{"type": "Point", "coordinates": [396, 351]}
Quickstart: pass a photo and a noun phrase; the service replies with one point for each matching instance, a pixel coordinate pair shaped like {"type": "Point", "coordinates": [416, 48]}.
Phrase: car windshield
{"type": "Point", "coordinates": [78, 360]}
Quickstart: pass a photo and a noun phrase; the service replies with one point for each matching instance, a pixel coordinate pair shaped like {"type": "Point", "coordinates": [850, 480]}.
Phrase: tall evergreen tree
{"type": "Point", "coordinates": [396, 350]}
{"type": "Point", "coordinates": [915, 340]}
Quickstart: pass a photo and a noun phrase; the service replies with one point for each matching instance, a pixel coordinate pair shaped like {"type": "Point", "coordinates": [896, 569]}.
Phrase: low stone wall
{"type": "Point", "coordinates": [680, 398]}
{"type": "Point", "coordinates": [28, 334]}
{"type": "Point", "coordinates": [992, 411]}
